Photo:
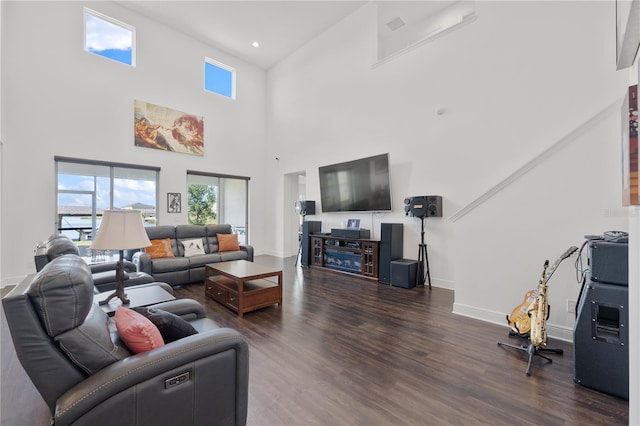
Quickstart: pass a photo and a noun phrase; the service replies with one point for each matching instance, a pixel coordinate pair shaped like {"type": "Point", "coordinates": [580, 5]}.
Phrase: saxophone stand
{"type": "Point", "coordinates": [533, 351]}
{"type": "Point", "coordinates": [423, 261]}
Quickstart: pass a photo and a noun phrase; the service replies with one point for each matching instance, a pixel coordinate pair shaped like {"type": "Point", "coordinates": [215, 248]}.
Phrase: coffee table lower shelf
{"type": "Point", "coordinates": [256, 293]}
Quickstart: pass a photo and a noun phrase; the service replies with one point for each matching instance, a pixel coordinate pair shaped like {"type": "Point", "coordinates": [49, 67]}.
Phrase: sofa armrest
{"type": "Point", "coordinates": [111, 266]}
{"type": "Point", "coordinates": [186, 308]}
{"type": "Point", "coordinates": [142, 261]}
{"type": "Point", "coordinates": [249, 250]}
{"type": "Point", "coordinates": [135, 389]}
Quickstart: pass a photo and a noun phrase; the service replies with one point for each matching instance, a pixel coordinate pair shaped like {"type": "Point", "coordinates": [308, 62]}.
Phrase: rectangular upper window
{"type": "Point", "coordinates": [108, 37]}
{"type": "Point", "coordinates": [219, 78]}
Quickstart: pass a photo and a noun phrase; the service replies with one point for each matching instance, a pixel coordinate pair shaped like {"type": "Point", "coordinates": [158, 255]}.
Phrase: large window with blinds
{"type": "Point", "coordinates": [217, 199]}
{"type": "Point", "coordinates": [86, 188]}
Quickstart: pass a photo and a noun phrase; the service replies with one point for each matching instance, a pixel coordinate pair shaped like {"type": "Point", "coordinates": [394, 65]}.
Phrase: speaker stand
{"type": "Point", "coordinates": [532, 351]}
{"type": "Point", "coordinates": [298, 257]}
{"type": "Point", "coordinates": [423, 273]}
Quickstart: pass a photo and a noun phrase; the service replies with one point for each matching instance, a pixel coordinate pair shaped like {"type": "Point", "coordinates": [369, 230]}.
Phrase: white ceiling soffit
{"type": "Point", "coordinates": [403, 25]}
{"type": "Point", "coordinates": [280, 27]}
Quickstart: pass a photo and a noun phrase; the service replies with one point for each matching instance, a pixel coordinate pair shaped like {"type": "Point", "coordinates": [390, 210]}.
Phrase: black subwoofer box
{"type": "Point", "coordinates": [601, 339]}
{"type": "Point", "coordinates": [403, 273]}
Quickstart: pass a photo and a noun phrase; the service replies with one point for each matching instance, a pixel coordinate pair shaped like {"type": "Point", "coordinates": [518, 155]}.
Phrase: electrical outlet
{"type": "Point", "coordinates": [571, 306]}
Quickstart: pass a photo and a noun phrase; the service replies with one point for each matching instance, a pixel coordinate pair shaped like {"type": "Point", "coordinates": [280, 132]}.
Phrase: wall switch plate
{"type": "Point", "coordinates": [571, 306]}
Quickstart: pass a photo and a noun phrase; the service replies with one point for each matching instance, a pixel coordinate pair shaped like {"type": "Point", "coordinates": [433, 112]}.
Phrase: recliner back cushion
{"type": "Point", "coordinates": [59, 245]}
{"type": "Point", "coordinates": [90, 345]}
{"type": "Point", "coordinates": [62, 293]}
{"type": "Point", "coordinates": [62, 296]}
{"type": "Point", "coordinates": [212, 232]}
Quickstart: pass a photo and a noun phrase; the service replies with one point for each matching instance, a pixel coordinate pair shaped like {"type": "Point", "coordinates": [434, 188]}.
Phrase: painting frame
{"type": "Point", "coordinates": [174, 202]}
{"type": "Point", "coordinates": [630, 155]}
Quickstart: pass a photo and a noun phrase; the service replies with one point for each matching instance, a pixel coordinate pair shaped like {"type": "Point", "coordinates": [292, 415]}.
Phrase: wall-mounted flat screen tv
{"type": "Point", "coordinates": [356, 186]}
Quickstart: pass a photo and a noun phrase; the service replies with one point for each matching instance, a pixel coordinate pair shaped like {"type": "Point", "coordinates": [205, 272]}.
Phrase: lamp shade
{"type": "Point", "coordinates": [121, 230]}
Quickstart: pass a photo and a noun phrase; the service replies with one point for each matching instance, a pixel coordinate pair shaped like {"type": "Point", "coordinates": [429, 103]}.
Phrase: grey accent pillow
{"type": "Point", "coordinates": [172, 327]}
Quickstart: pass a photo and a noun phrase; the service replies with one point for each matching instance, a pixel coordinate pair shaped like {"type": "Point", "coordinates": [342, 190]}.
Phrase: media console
{"type": "Point", "coordinates": [351, 255]}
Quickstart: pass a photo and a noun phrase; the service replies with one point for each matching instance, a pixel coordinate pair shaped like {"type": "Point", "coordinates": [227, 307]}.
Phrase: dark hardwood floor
{"type": "Point", "coordinates": [349, 351]}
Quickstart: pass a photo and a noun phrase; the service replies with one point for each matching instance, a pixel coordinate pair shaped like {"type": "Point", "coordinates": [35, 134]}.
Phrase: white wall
{"type": "Point", "coordinates": [60, 100]}
{"type": "Point", "coordinates": [507, 100]}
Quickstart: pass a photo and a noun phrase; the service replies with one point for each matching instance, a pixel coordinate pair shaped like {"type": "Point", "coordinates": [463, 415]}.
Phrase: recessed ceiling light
{"type": "Point", "coordinates": [255, 44]}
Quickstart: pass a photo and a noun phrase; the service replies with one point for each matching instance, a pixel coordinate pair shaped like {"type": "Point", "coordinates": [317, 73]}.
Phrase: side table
{"type": "Point", "coordinates": [138, 296]}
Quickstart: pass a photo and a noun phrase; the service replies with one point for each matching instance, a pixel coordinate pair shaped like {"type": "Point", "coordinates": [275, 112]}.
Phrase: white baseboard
{"type": "Point", "coordinates": [553, 331]}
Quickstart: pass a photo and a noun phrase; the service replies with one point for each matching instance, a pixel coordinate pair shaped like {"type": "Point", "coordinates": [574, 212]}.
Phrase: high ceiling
{"type": "Point", "coordinates": [281, 27]}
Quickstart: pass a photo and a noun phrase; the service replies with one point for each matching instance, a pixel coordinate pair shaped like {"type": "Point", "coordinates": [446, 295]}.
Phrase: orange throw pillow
{"type": "Point", "coordinates": [160, 248]}
{"type": "Point", "coordinates": [228, 242]}
{"type": "Point", "coordinates": [136, 331]}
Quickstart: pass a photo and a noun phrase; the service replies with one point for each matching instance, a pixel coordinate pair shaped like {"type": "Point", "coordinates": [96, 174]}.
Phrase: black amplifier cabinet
{"type": "Point", "coordinates": [601, 339]}
{"type": "Point", "coordinates": [361, 234]}
{"type": "Point", "coordinates": [609, 262]}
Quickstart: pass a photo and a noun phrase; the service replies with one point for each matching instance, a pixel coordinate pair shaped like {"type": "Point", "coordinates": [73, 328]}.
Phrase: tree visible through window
{"type": "Point", "coordinates": [201, 200]}
{"type": "Point", "coordinates": [213, 199]}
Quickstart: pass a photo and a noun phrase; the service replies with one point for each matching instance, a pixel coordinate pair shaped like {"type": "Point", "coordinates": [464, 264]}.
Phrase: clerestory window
{"type": "Point", "coordinates": [108, 37]}
{"type": "Point", "coordinates": [219, 78]}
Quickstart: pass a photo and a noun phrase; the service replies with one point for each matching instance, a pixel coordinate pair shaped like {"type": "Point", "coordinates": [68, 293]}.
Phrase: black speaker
{"type": "Point", "coordinates": [601, 339]}
{"type": "Point", "coordinates": [308, 227]}
{"type": "Point", "coordinates": [423, 206]}
{"type": "Point", "coordinates": [391, 248]}
{"type": "Point", "coordinates": [434, 206]}
{"type": "Point", "coordinates": [609, 262]}
{"type": "Point", "coordinates": [403, 273]}
{"type": "Point", "coordinates": [305, 208]}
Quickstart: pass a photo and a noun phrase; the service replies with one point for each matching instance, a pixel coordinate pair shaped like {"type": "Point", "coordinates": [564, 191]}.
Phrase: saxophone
{"type": "Point", "coordinates": [539, 312]}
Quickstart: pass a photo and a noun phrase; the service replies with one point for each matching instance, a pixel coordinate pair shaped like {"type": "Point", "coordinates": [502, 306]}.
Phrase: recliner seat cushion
{"type": "Point", "coordinates": [169, 264]}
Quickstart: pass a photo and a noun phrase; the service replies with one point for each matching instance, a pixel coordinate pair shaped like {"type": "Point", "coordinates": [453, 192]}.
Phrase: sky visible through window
{"type": "Point", "coordinates": [126, 192]}
{"type": "Point", "coordinates": [218, 79]}
{"type": "Point", "coordinates": [108, 39]}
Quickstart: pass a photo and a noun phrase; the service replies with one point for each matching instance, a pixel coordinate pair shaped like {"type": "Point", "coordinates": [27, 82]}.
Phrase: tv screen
{"type": "Point", "coordinates": [356, 186]}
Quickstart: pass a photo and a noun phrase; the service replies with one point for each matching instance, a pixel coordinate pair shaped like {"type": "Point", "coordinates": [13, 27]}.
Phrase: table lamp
{"type": "Point", "coordinates": [120, 230]}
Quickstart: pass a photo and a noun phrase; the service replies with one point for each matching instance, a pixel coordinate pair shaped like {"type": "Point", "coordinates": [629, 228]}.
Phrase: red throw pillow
{"type": "Point", "coordinates": [136, 331]}
{"type": "Point", "coordinates": [160, 248]}
{"type": "Point", "coordinates": [228, 242]}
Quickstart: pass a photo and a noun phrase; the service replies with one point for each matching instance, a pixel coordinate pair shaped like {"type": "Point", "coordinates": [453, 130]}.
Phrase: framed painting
{"type": "Point", "coordinates": [174, 202]}
{"type": "Point", "coordinates": [167, 129]}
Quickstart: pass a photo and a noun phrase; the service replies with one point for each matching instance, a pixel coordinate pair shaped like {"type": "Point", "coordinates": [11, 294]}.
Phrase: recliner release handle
{"type": "Point", "coordinates": [176, 380]}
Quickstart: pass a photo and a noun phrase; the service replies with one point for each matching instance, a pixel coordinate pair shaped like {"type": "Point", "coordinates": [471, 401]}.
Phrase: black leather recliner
{"type": "Point", "coordinates": [71, 352]}
{"type": "Point", "coordinates": [104, 274]}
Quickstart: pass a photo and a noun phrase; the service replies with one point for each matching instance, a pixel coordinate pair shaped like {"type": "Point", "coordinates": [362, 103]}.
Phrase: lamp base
{"type": "Point", "coordinates": [119, 291]}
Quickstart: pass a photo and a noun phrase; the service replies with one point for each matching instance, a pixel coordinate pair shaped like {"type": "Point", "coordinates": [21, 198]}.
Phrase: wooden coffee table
{"type": "Point", "coordinates": [243, 286]}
